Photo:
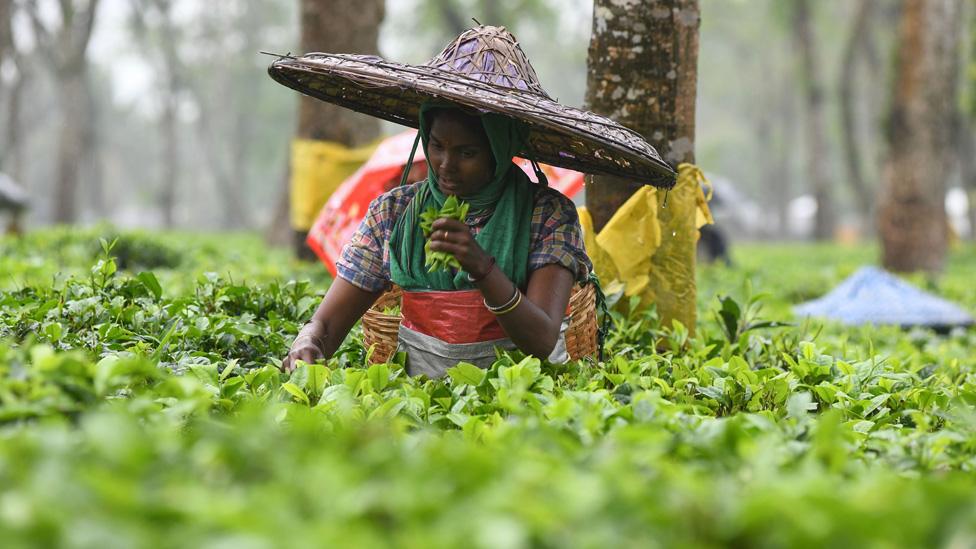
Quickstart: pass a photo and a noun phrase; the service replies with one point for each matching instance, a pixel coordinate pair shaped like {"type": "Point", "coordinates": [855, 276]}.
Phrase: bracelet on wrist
{"type": "Point", "coordinates": [509, 305]}
{"type": "Point", "coordinates": [491, 265]}
{"type": "Point", "coordinates": [512, 307]}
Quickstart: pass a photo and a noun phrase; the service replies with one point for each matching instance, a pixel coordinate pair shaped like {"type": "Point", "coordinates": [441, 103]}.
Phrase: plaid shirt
{"type": "Point", "coordinates": [556, 237]}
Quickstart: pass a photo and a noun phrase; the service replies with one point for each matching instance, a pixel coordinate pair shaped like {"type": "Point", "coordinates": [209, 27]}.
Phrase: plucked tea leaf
{"type": "Point", "coordinates": [467, 374]}
{"type": "Point", "coordinates": [151, 283]}
{"type": "Point", "coordinates": [296, 392]}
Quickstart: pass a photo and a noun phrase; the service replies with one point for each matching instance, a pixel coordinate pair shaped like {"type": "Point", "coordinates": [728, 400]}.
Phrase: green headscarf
{"type": "Point", "coordinates": [506, 235]}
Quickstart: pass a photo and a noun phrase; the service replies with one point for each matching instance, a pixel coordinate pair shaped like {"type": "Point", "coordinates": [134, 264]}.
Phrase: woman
{"type": "Point", "coordinates": [477, 104]}
{"type": "Point", "coordinates": [520, 256]}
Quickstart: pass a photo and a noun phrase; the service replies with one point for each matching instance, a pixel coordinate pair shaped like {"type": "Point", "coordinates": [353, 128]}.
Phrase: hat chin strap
{"type": "Point", "coordinates": [539, 174]}
{"type": "Point", "coordinates": [406, 169]}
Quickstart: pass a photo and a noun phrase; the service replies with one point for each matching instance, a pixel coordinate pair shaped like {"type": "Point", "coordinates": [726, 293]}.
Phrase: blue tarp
{"type": "Point", "coordinates": [874, 296]}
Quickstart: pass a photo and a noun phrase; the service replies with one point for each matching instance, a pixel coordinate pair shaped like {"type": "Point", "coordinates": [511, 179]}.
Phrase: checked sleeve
{"type": "Point", "coordinates": [363, 262]}
{"type": "Point", "coordinates": [557, 237]}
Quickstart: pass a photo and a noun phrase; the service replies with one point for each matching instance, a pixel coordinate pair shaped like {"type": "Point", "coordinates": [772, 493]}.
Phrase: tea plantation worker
{"type": "Point", "coordinates": [520, 250]}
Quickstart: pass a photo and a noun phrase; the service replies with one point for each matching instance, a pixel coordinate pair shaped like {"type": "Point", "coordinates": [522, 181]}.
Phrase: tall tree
{"type": "Point", "coordinates": [642, 72]}
{"type": "Point", "coordinates": [64, 44]}
{"type": "Point", "coordinates": [773, 112]}
{"type": "Point", "coordinates": [647, 84]}
{"type": "Point", "coordinates": [226, 124]}
{"type": "Point", "coordinates": [348, 26]}
{"type": "Point", "coordinates": [778, 180]}
{"type": "Point", "coordinates": [912, 217]}
{"type": "Point", "coordinates": [857, 49]}
{"type": "Point", "coordinates": [966, 149]}
{"type": "Point", "coordinates": [12, 158]}
{"type": "Point", "coordinates": [6, 29]}
{"type": "Point", "coordinates": [154, 23]}
{"type": "Point", "coordinates": [809, 67]}
{"type": "Point", "coordinates": [966, 127]}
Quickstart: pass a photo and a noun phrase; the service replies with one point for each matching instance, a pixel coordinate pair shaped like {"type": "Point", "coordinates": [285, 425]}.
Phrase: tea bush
{"type": "Point", "coordinates": [144, 408]}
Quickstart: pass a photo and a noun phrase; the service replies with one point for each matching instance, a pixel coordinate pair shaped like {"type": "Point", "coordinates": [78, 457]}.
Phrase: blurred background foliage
{"type": "Point", "coordinates": [192, 71]}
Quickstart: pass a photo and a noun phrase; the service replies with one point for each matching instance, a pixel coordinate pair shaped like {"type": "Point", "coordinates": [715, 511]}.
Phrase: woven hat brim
{"type": "Point", "coordinates": [558, 135]}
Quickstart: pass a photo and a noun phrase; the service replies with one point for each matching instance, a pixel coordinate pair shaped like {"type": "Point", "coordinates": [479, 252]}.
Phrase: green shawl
{"type": "Point", "coordinates": [509, 195]}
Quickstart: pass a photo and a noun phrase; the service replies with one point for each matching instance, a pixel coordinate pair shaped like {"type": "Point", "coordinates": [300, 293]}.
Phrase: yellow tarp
{"type": "Point", "coordinates": [317, 169]}
{"type": "Point", "coordinates": [647, 248]}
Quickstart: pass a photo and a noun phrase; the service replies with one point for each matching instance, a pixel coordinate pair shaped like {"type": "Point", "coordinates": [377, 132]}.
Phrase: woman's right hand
{"type": "Point", "coordinates": [341, 307]}
{"type": "Point", "coordinates": [307, 347]}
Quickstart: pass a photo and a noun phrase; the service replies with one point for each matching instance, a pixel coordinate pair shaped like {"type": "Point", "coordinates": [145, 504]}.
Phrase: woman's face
{"type": "Point", "coordinates": [459, 154]}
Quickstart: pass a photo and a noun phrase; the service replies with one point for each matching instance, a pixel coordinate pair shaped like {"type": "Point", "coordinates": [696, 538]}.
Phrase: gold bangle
{"type": "Point", "coordinates": [507, 304]}
{"type": "Point", "coordinates": [518, 301]}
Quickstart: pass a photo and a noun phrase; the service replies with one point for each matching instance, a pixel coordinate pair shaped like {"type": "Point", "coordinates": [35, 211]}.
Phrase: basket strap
{"type": "Point", "coordinates": [602, 312]}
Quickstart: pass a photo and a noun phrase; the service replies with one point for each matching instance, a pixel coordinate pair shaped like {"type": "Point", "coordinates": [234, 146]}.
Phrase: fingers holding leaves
{"type": "Point", "coordinates": [304, 348]}
{"type": "Point", "coordinates": [439, 260]}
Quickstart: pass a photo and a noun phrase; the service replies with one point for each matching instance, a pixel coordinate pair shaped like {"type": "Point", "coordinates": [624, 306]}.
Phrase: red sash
{"type": "Point", "coordinates": [456, 316]}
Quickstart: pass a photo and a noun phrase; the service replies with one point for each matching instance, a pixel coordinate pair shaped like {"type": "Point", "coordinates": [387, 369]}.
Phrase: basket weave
{"type": "Point", "coordinates": [382, 329]}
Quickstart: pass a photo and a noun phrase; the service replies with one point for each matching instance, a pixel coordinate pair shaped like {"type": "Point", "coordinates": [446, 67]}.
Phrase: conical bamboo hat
{"type": "Point", "coordinates": [485, 69]}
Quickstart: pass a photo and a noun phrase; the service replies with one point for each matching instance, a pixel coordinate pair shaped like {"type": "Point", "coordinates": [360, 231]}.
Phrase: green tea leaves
{"type": "Point", "coordinates": [149, 281]}
{"type": "Point", "coordinates": [296, 392]}
{"type": "Point", "coordinates": [132, 414]}
{"type": "Point", "coordinates": [452, 209]}
{"type": "Point", "coordinates": [467, 374]}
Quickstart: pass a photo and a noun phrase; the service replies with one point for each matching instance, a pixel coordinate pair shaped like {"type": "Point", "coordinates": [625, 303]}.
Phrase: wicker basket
{"type": "Point", "coordinates": [382, 330]}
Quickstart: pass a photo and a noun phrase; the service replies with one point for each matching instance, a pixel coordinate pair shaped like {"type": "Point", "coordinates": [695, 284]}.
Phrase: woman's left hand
{"type": "Point", "coordinates": [454, 237]}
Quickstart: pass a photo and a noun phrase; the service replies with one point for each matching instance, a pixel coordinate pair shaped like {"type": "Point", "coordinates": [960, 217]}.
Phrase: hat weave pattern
{"type": "Point", "coordinates": [490, 57]}
{"type": "Point", "coordinates": [485, 69]}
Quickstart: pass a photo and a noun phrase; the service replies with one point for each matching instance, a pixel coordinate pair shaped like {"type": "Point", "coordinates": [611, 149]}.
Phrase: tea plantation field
{"type": "Point", "coordinates": [141, 406]}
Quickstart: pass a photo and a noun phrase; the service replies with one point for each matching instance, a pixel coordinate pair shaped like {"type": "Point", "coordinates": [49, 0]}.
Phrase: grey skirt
{"type": "Point", "coordinates": [430, 356]}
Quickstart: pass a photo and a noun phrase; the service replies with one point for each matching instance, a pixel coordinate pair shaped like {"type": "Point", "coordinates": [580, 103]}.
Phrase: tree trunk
{"type": "Point", "coordinates": [783, 160]}
{"type": "Point", "coordinates": [912, 217]}
{"type": "Point", "coordinates": [967, 129]}
{"type": "Point", "coordinates": [92, 165]}
{"type": "Point", "coordinates": [279, 231]}
{"type": "Point", "coordinates": [853, 154]}
{"type": "Point", "coordinates": [231, 173]}
{"type": "Point", "coordinates": [816, 139]}
{"type": "Point", "coordinates": [145, 11]}
{"type": "Point", "coordinates": [243, 128]}
{"type": "Point", "coordinates": [71, 145]}
{"type": "Point", "coordinates": [642, 72]}
{"type": "Point", "coordinates": [223, 173]}
{"type": "Point", "coordinates": [7, 52]}
{"type": "Point", "coordinates": [65, 50]}
{"type": "Point", "coordinates": [346, 26]}
{"type": "Point", "coordinates": [170, 121]}
{"type": "Point", "coordinates": [170, 155]}
{"type": "Point", "coordinates": [769, 178]}
{"type": "Point", "coordinates": [774, 139]}
{"type": "Point", "coordinates": [12, 157]}
{"type": "Point", "coordinates": [967, 167]}
{"type": "Point", "coordinates": [6, 28]}
{"type": "Point", "coordinates": [13, 154]}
